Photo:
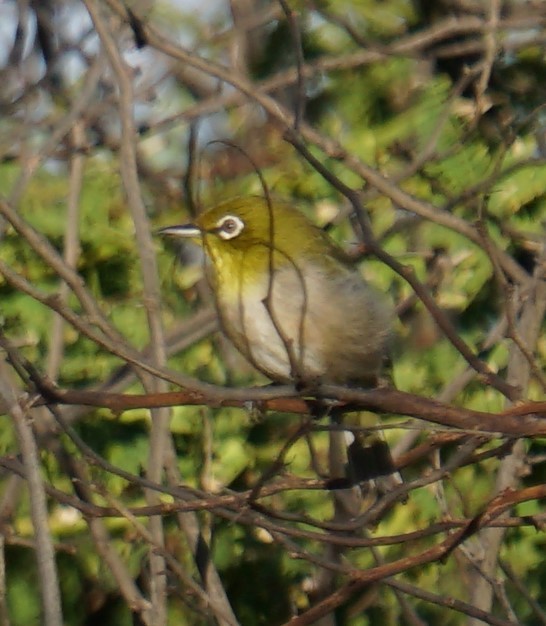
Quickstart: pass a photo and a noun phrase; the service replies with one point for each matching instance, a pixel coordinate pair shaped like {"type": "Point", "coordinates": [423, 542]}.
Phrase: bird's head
{"type": "Point", "coordinates": [241, 224]}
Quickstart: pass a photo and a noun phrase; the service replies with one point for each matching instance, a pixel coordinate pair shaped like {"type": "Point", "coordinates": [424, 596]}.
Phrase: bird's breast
{"type": "Point", "coordinates": [302, 322]}
{"type": "Point", "coordinates": [266, 315]}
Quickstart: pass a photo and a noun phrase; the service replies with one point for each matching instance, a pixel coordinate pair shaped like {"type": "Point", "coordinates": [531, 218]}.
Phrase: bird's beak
{"type": "Point", "coordinates": [187, 231]}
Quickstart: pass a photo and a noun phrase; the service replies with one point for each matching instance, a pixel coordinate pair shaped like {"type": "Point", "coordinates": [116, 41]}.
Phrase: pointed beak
{"type": "Point", "coordinates": [181, 230]}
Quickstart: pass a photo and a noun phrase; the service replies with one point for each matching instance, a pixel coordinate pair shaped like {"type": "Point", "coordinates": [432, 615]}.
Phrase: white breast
{"type": "Point", "coordinates": [272, 332]}
{"type": "Point", "coordinates": [332, 328]}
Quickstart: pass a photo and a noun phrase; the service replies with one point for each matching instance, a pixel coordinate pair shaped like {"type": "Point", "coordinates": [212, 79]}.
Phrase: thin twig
{"type": "Point", "coordinates": [45, 552]}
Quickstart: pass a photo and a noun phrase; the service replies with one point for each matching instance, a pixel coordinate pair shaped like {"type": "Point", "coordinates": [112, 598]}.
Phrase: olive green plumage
{"type": "Point", "coordinates": [288, 297]}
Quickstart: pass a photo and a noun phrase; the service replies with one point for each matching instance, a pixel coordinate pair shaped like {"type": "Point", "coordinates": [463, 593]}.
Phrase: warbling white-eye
{"type": "Point", "coordinates": [298, 310]}
{"type": "Point", "coordinates": [288, 297]}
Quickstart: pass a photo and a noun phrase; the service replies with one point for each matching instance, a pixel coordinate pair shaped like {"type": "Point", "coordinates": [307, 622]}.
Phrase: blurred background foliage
{"type": "Point", "coordinates": [423, 120]}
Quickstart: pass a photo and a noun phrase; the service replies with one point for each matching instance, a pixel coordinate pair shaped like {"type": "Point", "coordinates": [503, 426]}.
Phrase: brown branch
{"type": "Point", "coordinates": [151, 294]}
{"type": "Point", "coordinates": [71, 247]}
{"type": "Point", "coordinates": [103, 541]}
{"type": "Point", "coordinates": [411, 45]}
{"type": "Point", "coordinates": [201, 501]}
{"type": "Point", "coordinates": [448, 602]}
{"type": "Point", "coordinates": [45, 553]}
{"type": "Point", "coordinates": [362, 578]}
{"type": "Point", "coordinates": [530, 422]}
{"type": "Point", "coordinates": [295, 32]}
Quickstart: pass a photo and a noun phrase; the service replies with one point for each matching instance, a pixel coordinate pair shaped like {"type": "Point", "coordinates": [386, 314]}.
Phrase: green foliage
{"type": "Point", "coordinates": [384, 113]}
{"type": "Point", "coordinates": [23, 601]}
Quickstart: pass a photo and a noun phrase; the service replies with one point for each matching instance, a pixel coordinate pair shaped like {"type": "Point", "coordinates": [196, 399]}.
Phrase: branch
{"type": "Point", "coordinates": [528, 420]}
{"type": "Point", "coordinates": [45, 552]}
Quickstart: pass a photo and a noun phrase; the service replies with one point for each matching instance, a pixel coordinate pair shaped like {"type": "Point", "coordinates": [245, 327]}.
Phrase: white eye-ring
{"type": "Point", "coordinates": [229, 227]}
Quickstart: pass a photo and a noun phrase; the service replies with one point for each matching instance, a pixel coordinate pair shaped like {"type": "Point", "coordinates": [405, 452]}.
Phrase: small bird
{"type": "Point", "coordinates": [296, 307]}
{"type": "Point", "coordinates": [288, 297]}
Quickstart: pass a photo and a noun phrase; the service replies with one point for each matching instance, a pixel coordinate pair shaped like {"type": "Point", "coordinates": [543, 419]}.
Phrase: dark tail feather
{"type": "Point", "coordinates": [371, 462]}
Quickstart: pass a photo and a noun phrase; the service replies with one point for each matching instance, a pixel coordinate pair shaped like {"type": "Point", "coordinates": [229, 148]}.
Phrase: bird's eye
{"type": "Point", "coordinates": [229, 227]}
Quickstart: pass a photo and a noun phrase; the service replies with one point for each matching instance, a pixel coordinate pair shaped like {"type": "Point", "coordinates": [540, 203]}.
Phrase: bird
{"type": "Point", "coordinates": [291, 300]}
